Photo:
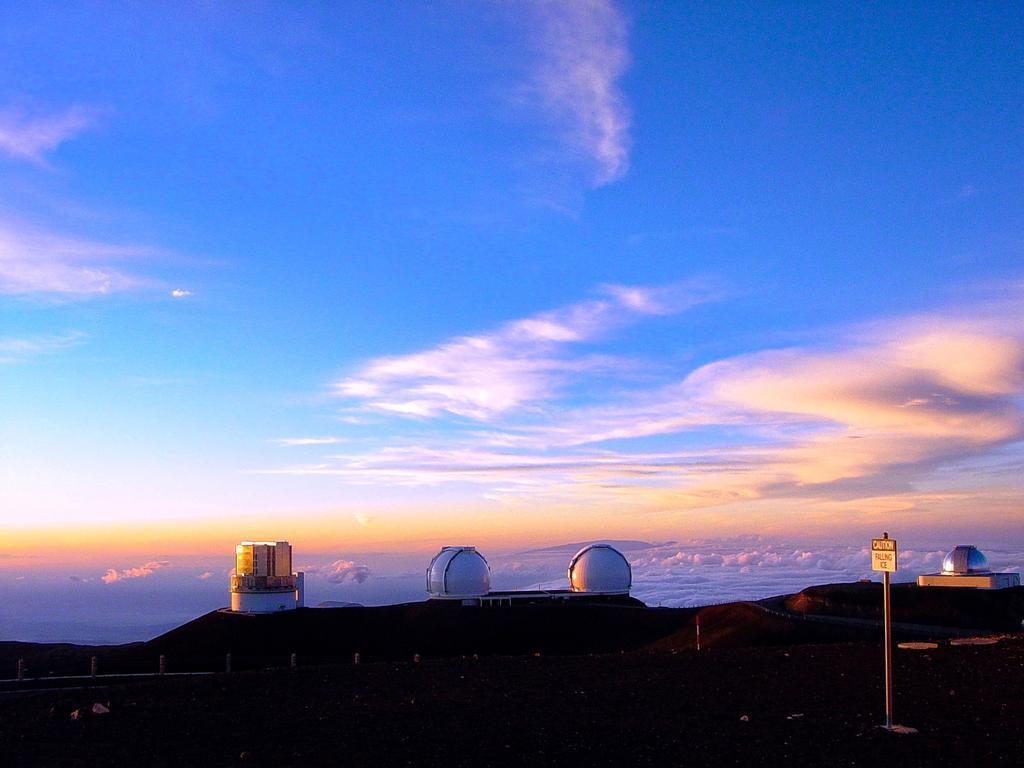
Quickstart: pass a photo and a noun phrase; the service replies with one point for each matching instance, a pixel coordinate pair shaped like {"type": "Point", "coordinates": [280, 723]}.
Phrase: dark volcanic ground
{"type": "Point", "coordinates": [808, 705]}
{"type": "Point", "coordinates": [833, 613]}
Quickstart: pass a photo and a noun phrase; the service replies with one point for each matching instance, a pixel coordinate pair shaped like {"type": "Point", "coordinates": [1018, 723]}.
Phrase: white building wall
{"type": "Point", "coordinates": [264, 601]}
{"type": "Point", "coordinates": [975, 580]}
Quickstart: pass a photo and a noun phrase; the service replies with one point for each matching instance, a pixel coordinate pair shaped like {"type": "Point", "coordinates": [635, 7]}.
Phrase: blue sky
{"type": "Point", "coordinates": [376, 277]}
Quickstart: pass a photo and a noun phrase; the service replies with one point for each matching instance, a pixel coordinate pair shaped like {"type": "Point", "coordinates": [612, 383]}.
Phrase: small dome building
{"type": "Point", "coordinates": [963, 560]}
{"type": "Point", "coordinates": [458, 573]}
{"type": "Point", "coordinates": [600, 569]}
{"type": "Point", "coordinates": [967, 566]}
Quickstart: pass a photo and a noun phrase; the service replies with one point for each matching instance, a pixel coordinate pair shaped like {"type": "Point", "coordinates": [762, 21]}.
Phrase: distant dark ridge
{"type": "Point", "coordinates": [743, 625]}
{"type": "Point", "coordinates": [996, 609]}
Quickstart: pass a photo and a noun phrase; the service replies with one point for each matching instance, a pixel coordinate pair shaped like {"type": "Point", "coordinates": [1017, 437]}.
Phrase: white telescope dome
{"type": "Point", "coordinates": [963, 560]}
{"type": "Point", "coordinates": [600, 568]}
{"type": "Point", "coordinates": [458, 572]}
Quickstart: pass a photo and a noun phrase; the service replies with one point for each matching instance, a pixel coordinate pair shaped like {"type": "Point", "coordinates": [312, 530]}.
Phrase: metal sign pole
{"type": "Point", "coordinates": [887, 620]}
{"type": "Point", "coordinates": [884, 558]}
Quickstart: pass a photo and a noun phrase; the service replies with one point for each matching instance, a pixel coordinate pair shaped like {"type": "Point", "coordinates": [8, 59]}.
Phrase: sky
{"type": "Point", "coordinates": [376, 278]}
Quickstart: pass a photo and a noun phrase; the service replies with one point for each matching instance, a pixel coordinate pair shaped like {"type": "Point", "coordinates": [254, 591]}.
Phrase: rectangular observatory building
{"type": "Point", "coordinates": [263, 581]}
{"type": "Point", "coordinates": [263, 558]}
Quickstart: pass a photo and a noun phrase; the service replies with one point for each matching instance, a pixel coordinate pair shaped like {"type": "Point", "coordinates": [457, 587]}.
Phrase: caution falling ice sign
{"type": "Point", "coordinates": [883, 555]}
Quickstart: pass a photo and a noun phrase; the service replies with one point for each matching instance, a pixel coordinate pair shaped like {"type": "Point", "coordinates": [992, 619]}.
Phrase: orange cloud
{"type": "Point", "coordinates": [875, 416]}
{"type": "Point", "coordinates": [141, 572]}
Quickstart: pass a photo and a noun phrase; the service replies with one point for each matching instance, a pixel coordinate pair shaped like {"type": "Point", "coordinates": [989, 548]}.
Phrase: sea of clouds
{"type": "Point", "coordinates": [701, 572]}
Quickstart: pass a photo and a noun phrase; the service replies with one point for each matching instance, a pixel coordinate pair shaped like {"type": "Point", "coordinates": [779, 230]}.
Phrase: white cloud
{"type": "Point", "coordinates": [180, 293]}
{"type": "Point", "coordinates": [583, 51]}
{"type": "Point", "coordinates": [205, 575]}
{"type": "Point", "coordinates": [703, 572]}
{"type": "Point", "coordinates": [340, 572]}
{"type": "Point", "coordinates": [30, 137]}
{"type": "Point", "coordinates": [515, 366]}
{"type": "Point", "coordinates": [15, 350]}
{"type": "Point", "coordinates": [140, 572]}
{"type": "Point", "coordinates": [899, 416]}
{"type": "Point", "coordinates": [451, 461]}
{"type": "Point", "coordinates": [299, 441]}
{"type": "Point", "coordinates": [33, 261]}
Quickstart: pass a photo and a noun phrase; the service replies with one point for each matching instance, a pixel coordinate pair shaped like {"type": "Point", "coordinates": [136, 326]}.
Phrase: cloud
{"type": "Point", "coordinates": [140, 572]}
{"type": "Point", "coordinates": [30, 137]}
{"type": "Point", "coordinates": [702, 572]}
{"type": "Point", "coordinates": [903, 415]}
{"type": "Point", "coordinates": [33, 261]}
{"type": "Point", "coordinates": [15, 350]}
{"type": "Point", "coordinates": [423, 465]}
{"type": "Point", "coordinates": [583, 51]}
{"type": "Point", "coordinates": [340, 572]}
{"type": "Point", "coordinates": [205, 575]}
{"type": "Point", "coordinates": [917, 393]}
{"type": "Point", "coordinates": [299, 441]}
{"type": "Point", "coordinates": [180, 293]}
{"type": "Point", "coordinates": [517, 365]}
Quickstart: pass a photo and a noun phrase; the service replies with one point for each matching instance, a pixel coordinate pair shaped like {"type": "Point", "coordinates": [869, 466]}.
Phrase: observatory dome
{"type": "Point", "coordinates": [458, 572]}
{"type": "Point", "coordinates": [963, 560]}
{"type": "Point", "coordinates": [600, 568]}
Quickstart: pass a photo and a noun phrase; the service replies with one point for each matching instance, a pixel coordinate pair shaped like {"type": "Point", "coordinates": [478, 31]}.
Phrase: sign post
{"type": "Point", "coordinates": [883, 558]}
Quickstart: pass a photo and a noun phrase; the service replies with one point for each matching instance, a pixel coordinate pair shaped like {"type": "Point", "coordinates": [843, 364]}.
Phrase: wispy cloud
{"type": "Point", "coordinates": [583, 51]}
{"type": "Point", "coordinates": [33, 261]}
{"type": "Point", "coordinates": [16, 350]}
{"type": "Point", "coordinates": [899, 414]}
{"type": "Point", "coordinates": [520, 364]}
{"type": "Point", "coordinates": [299, 441]}
{"type": "Point", "coordinates": [140, 572]}
{"type": "Point", "coordinates": [29, 136]}
{"type": "Point", "coordinates": [180, 293]}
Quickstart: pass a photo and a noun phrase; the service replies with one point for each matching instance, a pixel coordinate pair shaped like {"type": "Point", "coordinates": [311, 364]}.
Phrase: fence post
{"type": "Point", "coordinates": [227, 663]}
{"type": "Point", "coordinates": [357, 658]}
{"type": "Point", "coordinates": [162, 668]}
{"type": "Point", "coordinates": [21, 669]}
{"type": "Point", "coordinates": [94, 666]}
{"type": "Point", "coordinates": [415, 658]}
{"type": "Point", "coordinates": [294, 662]}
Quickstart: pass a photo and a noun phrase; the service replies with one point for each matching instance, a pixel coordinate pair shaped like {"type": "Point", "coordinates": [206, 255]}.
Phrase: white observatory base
{"type": "Point", "coordinates": [975, 580]}
{"type": "Point", "coordinates": [265, 601]}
